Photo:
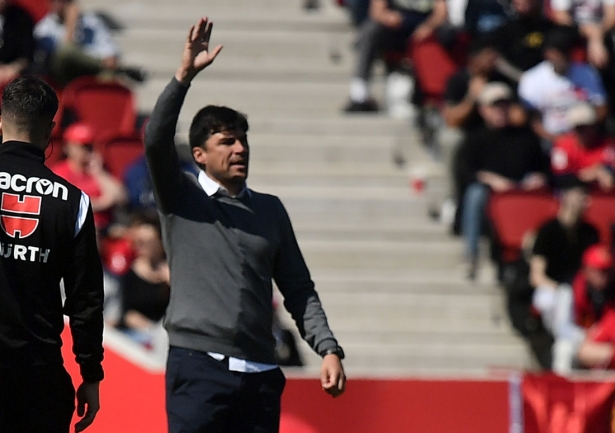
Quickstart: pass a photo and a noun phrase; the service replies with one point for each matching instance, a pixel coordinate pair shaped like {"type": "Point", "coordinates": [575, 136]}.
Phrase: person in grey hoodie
{"type": "Point", "coordinates": [225, 244]}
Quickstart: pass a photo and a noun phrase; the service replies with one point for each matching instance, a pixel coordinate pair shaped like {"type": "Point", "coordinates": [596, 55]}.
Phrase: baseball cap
{"type": "Point", "coordinates": [494, 92]}
{"type": "Point", "coordinates": [581, 114]}
{"type": "Point", "coordinates": [79, 133]}
{"type": "Point", "coordinates": [597, 257]}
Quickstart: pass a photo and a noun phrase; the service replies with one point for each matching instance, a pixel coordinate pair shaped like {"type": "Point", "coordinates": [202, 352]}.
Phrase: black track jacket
{"type": "Point", "coordinates": [46, 234]}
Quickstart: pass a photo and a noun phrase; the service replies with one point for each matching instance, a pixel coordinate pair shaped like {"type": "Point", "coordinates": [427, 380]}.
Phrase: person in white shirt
{"type": "Point", "coordinates": [550, 88]}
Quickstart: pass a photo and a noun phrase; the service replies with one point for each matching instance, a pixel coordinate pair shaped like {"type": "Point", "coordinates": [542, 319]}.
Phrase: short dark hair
{"type": "Point", "coordinates": [479, 45]}
{"type": "Point", "coordinates": [213, 119]}
{"type": "Point", "coordinates": [562, 38]}
{"type": "Point", "coordinates": [30, 101]}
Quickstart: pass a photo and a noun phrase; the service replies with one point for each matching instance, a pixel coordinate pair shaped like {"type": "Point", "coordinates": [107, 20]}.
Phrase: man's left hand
{"type": "Point", "coordinates": [332, 377]}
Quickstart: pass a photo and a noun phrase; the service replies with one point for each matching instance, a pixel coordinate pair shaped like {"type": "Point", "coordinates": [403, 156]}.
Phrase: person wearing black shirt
{"type": "Point", "coordinates": [556, 257]}
{"type": "Point", "coordinates": [520, 41]}
{"type": "Point", "coordinates": [499, 157]}
{"type": "Point", "coordinates": [16, 41]}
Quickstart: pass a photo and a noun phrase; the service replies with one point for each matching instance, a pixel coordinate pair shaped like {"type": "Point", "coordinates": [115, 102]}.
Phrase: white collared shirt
{"type": "Point", "coordinates": [211, 187]}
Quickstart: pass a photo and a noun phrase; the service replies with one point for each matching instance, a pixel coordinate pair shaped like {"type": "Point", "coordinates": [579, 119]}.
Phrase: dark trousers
{"type": "Point", "coordinates": [204, 396]}
{"type": "Point", "coordinates": [36, 400]}
{"type": "Point", "coordinates": [374, 39]}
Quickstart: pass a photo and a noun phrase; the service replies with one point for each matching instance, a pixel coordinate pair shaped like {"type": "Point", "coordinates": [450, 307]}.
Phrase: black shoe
{"type": "Point", "coordinates": [368, 106]}
{"type": "Point", "coordinates": [135, 74]}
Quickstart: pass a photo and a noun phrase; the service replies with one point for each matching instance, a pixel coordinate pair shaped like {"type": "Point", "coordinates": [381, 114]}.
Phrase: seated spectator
{"type": "Point", "coordinates": [519, 42]}
{"type": "Point", "coordinates": [585, 152]}
{"type": "Point", "coordinates": [84, 168]}
{"type": "Point", "coordinates": [556, 257]}
{"type": "Point", "coordinates": [594, 287]}
{"type": "Point", "coordinates": [461, 116]}
{"type": "Point", "coordinates": [485, 16]}
{"type": "Point", "coordinates": [556, 84]}
{"type": "Point", "coordinates": [144, 289]}
{"type": "Point", "coordinates": [594, 19]}
{"type": "Point", "coordinates": [17, 48]}
{"type": "Point", "coordinates": [73, 43]}
{"type": "Point", "coordinates": [499, 157]}
{"type": "Point", "coordinates": [390, 24]}
{"type": "Point", "coordinates": [598, 349]}
{"type": "Point", "coordinates": [139, 184]}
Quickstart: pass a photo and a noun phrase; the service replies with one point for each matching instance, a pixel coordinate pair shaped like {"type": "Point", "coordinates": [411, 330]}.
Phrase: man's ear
{"type": "Point", "coordinates": [200, 155]}
{"type": "Point", "coordinates": [1, 125]}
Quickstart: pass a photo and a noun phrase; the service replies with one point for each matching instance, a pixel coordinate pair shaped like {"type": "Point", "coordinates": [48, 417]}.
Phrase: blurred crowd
{"type": "Point", "coordinates": [97, 145]}
{"type": "Point", "coordinates": [519, 99]}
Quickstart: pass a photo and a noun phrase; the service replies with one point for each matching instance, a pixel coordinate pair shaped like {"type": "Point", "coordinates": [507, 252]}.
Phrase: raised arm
{"type": "Point", "coordinates": [160, 152]}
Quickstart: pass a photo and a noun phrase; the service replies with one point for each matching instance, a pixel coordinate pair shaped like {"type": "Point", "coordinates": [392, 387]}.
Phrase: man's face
{"type": "Point", "coordinates": [525, 7]}
{"type": "Point", "coordinates": [81, 154]}
{"type": "Point", "coordinates": [485, 60]}
{"type": "Point", "coordinates": [226, 156]}
{"type": "Point", "coordinates": [496, 114]}
{"type": "Point", "coordinates": [587, 135]}
{"type": "Point", "coordinates": [575, 200]}
{"type": "Point", "coordinates": [59, 7]}
{"type": "Point", "coordinates": [558, 60]}
{"type": "Point", "coordinates": [597, 278]}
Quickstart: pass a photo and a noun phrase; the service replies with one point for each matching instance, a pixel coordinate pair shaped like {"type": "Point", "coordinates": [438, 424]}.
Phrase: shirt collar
{"type": "Point", "coordinates": [211, 187]}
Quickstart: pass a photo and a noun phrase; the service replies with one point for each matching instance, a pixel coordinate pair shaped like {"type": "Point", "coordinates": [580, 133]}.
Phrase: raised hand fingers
{"type": "Point", "coordinates": [209, 27]}
{"type": "Point", "coordinates": [200, 31]}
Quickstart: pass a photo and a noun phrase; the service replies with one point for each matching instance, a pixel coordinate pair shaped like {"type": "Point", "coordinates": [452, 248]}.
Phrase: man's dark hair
{"type": "Point", "coordinates": [561, 38]}
{"type": "Point", "coordinates": [479, 45]}
{"type": "Point", "coordinates": [29, 102]}
{"type": "Point", "coordinates": [213, 119]}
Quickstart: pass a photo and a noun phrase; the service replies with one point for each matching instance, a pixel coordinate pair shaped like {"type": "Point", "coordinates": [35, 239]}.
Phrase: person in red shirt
{"type": "Point", "coordinates": [594, 308]}
{"type": "Point", "coordinates": [593, 287]}
{"type": "Point", "coordinates": [84, 168]}
{"type": "Point", "coordinates": [585, 152]}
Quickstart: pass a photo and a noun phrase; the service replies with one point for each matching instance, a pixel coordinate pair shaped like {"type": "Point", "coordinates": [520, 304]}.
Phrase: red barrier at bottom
{"type": "Point", "coordinates": [132, 400]}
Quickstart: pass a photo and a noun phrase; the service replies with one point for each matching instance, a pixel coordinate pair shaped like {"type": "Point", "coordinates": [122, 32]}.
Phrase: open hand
{"type": "Point", "coordinates": [196, 55]}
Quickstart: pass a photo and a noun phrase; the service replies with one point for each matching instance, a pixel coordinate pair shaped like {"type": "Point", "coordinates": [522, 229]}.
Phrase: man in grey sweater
{"type": "Point", "coordinates": [225, 244]}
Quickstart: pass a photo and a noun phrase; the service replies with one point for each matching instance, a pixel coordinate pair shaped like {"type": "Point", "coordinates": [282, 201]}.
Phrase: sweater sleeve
{"type": "Point", "coordinates": [83, 284]}
{"type": "Point", "coordinates": [160, 153]}
{"type": "Point", "coordinates": [300, 298]}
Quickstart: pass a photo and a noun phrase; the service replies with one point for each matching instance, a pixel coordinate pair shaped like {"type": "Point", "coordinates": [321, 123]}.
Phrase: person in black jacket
{"type": "Point", "coordinates": [47, 235]}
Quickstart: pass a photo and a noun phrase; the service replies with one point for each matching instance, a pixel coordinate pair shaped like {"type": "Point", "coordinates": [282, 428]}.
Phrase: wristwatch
{"type": "Point", "coordinates": [337, 350]}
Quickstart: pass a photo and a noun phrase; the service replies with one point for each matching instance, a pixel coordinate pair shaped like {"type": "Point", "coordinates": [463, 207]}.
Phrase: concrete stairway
{"type": "Point", "coordinates": [390, 279]}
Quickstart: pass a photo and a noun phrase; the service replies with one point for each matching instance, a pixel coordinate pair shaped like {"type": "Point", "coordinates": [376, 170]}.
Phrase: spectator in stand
{"type": "Point", "coordinates": [390, 24]}
{"type": "Point", "coordinates": [499, 158]}
{"type": "Point", "coordinates": [556, 256]}
{"type": "Point", "coordinates": [598, 349]}
{"type": "Point", "coordinates": [84, 168]}
{"type": "Point", "coordinates": [519, 42]}
{"type": "Point", "coordinates": [594, 287]}
{"type": "Point", "coordinates": [594, 19]}
{"type": "Point", "coordinates": [138, 184]}
{"type": "Point", "coordinates": [144, 289]}
{"type": "Point", "coordinates": [550, 88]}
{"type": "Point", "coordinates": [585, 152]}
{"type": "Point", "coordinates": [485, 16]}
{"type": "Point", "coordinates": [461, 115]}
{"type": "Point", "coordinates": [17, 47]}
{"type": "Point", "coordinates": [73, 43]}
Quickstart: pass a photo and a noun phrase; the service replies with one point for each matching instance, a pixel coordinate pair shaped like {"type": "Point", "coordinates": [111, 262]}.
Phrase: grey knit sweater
{"type": "Point", "coordinates": [224, 253]}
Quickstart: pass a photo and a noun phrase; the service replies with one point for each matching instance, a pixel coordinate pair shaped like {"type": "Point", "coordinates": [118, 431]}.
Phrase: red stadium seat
{"type": "Point", "coordinates": [434, 65]}
{"type": "Point", "coordinates": [513, 214]}
{"type": "Point", "coordinates": [119, 151]}
{"type": "Point", "coordinates": [108, 106]}
{"type": "Point", "coordinates": [601, 213]}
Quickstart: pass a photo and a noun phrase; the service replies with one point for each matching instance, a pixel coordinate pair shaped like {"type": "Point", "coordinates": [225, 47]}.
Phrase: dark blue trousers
{"type": "Point", "coordinates": [203, 396]}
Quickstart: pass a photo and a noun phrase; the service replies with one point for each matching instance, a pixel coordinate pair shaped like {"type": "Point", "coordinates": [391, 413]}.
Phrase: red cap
{"type": "Point", "coordinates": [79, 133]}
{"type": "Point", "coordinates": [597, 257]}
